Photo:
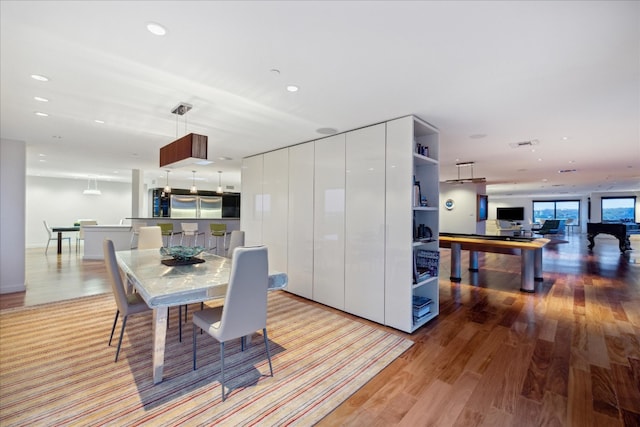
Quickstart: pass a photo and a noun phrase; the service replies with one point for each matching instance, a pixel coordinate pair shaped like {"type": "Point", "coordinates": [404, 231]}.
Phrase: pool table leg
{"type": "Point", "coordinates": [473, 261]}
{"type": "Point", "coordinates": [526, 271]}
{"type": "Point", "coordinates": [537, 272]}
{"type": "Point", "coordinates": [456, 255]}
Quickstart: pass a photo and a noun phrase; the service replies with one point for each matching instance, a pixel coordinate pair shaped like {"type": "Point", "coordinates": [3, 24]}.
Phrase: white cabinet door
{"type": "Point", "coordinates": [365, 222]}
{"type": "Point", "coordinates": [251, 200]}
{"type": "Point", "coordinates": [275, 207]}
{"type": "Point", "coordinates": [399, 216]}
{"type": "Point", "coordinates": [328, 239]}
{"type": "Point", "coordinates": [300, 231]}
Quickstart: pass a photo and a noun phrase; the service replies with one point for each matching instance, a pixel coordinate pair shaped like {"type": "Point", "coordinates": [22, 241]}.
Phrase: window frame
{"type": "Point", "coordinates": [555, 209]}
{"type": "Point", "coordinates": [633, 206]}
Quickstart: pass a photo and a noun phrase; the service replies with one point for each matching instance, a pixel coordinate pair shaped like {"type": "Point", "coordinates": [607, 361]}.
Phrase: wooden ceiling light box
{"type": "Point", "coordinates": [189, 149]}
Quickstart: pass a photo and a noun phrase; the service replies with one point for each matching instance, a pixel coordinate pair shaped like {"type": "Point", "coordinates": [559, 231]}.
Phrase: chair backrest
{"type": "Point", "coordinates": [189, 228]}
{"type": "Point", "coordinates": [136, 226]}
{"type": "Point", "coordinates": [48, 228]}
{"type": "Point", "coordinates": [218, 229]}
{"type": "Point", "coordinates": [166, 227]}
{"type": "Point", "coordinates": [86, 222]}
{"type": "Point", "coordinates": [236, 240]}
{"type": "Point", "coordinates": [150, 237]}
{"type": "Point", "coordinates": [114, 276]}
{"type": "Point", "coordinates": [245, 305]}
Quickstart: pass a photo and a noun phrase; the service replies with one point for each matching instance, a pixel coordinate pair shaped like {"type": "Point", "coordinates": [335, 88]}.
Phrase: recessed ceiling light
{"type": "Point", "coordinates": [565, 138]}
{"type": "Point", "coordinates": [42, 155]}
{"type": "Point", "coordinates": [326, 131]}
{"type": "Point", "coordinates": [99, 121]}
{"type": "Point", "coordinates": [39, 78]}
{"type": "Point", "coordinates": [293, 88]}
{"type": "Point", "coordinates": [478, 136]}
{"type": "Point", "coordinates": [41, 114]}
{"type": "Point", "coordinates": [40, 99]}
{"type": "Point", "coordinates": [157, 29]}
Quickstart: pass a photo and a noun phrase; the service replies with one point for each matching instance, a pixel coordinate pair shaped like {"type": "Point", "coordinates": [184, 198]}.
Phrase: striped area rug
{"type": "Point", "coordinates": [56, 368]}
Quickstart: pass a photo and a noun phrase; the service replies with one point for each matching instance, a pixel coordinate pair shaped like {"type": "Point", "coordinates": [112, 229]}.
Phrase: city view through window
{"type": "Point", "coordinates": [616, 209]}
{"type": "Point", "coordinates": [557, 209]}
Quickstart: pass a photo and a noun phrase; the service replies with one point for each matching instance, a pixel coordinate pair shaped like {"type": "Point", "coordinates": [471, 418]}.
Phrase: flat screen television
{"type": "Point", "coordinates": [510, 214]}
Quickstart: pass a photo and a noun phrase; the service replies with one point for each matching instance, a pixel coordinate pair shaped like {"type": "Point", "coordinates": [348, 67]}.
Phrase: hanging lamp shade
{"type": "Point", "coordinates": [188, 150]}
{"type": "Point", "coordinates": [167, 187]}
{"type": "Point", "coordinates": [92, 191]}
{"type": "Point", "coordinates": [193, 189]}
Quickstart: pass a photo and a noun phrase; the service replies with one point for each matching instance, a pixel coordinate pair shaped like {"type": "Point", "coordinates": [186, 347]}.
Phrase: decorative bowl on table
{"type": "Point", "coordinates": [182, 255]}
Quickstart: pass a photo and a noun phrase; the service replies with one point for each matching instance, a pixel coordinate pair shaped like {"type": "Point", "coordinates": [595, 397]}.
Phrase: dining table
{"type": "Point", "coordinates": [163, 286]}
{"type": "Point", "coordinates": [61, 230]}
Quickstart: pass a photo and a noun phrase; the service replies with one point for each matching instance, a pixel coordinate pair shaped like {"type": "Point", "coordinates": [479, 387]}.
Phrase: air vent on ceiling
{"type": "Point", "coordinates": [524, 144]}
{"type": "Point", "coordinates": [566, 170]}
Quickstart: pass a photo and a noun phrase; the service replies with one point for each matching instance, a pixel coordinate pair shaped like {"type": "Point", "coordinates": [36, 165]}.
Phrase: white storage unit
{"type": "Point", "coordinates": [300, 229]}
{"type": "Point", "coordinates": [275, 207]}
{"type": "Point", "coordinates": [328, 221]}
{"type": "Point", "coordinates": [352, 219]}
{"type": "Point", "coordinates": [365, 222]}
{"type": "Point", "coordinates": [251, 200]}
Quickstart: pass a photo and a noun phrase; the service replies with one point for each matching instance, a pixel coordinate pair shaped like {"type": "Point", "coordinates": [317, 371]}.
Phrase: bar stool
{"type": "Point", "coordinates": [167, 231]}
{"type": "Point", "coordinates": [217, 231]}
{"type": "Point", "coordinates": [190, 229]}
{"type": "Point", "coordinates": [135, 232]}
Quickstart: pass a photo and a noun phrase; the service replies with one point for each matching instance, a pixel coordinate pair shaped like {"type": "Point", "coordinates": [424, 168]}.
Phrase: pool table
{"type": "Point", "coordinates": [529, 249]}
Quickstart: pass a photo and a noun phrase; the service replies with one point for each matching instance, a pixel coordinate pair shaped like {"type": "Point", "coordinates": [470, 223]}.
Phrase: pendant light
{"type": "Point", "coordinates": [193, 190]}
{"type": "Point", "coordinates": [219, 182]}
{"type": "Point", "coordinates": [92, 191]}
{"type": "Point", "coordinates": [167, 188]}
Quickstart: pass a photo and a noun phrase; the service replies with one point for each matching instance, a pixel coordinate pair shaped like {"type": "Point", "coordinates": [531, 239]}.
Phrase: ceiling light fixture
{"type": "Point", "coordinates": [167, 188]}
{"type": "Point", "coordinates": [193, 189]}
{"type": "Point", "coordinates": [156, 29]}
{"type": "Point", "coordinates": [39, 78]}
{"type": "Point", "coordinates": [99, 121]}
{"type": "Point", "coordinates": [219, 182]}
{"type": "Point", "coordinates": [40, 99]}
{"type": "Point", "coordinates": [465, 180]}
{"type": "Point", "coordinates": [188, 150]}
{"type": "Point", "coordinates": [92, 191]}
{"type": "Point", "coordinates": [292, 88]}
{"type": "Point", "coordinates": [41, 114]}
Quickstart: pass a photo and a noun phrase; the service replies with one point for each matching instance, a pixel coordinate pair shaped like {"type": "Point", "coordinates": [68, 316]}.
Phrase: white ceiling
{"type": "Point", "coordinates": [513, 71]}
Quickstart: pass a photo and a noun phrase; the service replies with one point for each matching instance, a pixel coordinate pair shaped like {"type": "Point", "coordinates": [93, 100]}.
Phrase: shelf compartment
{"type": "Point", "coordinates": [421, 160]}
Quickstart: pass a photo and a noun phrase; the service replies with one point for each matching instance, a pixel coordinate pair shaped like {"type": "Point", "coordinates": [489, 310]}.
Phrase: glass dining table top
{"type": "Point", "coordinates": [164, 286]}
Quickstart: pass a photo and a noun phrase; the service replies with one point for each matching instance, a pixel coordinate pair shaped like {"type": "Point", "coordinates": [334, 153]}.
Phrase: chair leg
{"type": "Point", "coordinates": [47, 248]}
{"type": "Point", "coordinates": [180, 321]}
{"type": "Point", "coordinates": [222, 369]}
{"type": "Point", "coordinates": [194, 346]}
{"type": "Point", "coordinates": [124, 323]}
{"type": "Point", "coordinates": [266, 345]}
{"type": "Point", "coordinates": [113, 328]}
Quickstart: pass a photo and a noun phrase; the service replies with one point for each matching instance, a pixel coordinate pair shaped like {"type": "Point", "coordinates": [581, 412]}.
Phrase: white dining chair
{"type": "Point", "coordinates": [150, 237]}
{"type": "Point", "coordinates": [235, 240]}
{"type": "Point", "coordinates": [135, 232]}
{"type": "Point", "coordinates": [53, 237]}
{"type": "Point", "coordinates": [245, 305]}
{"type": "Point", "coordinates": [126, 304]}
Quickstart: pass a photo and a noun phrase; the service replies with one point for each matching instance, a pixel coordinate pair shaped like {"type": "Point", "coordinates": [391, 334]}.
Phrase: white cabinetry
{"type": "Point", "coordinates": [328, 221]}
{"type": "Point", "coordinates": [405, 167]}
{"type": "Point", "coordinates": [251, 200]}
{"type": "Point", "coordinates": [300, 224]}
{"type": "Point", "coordinates": [275, 199]}
{"type": "Point", "coordinates": [365, 222]}
{"type": "Point", "coordinates": [340, 218]}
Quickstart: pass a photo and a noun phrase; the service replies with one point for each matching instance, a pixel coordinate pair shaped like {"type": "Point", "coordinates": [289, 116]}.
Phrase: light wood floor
{"type": "Point", "coordinates": [568, 355]}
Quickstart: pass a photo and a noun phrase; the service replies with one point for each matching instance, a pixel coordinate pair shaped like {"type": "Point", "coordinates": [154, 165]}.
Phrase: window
{"type": "Point", "coordinates": [618, 209]}
{"type": "Point", "coordinates": [569, 210]}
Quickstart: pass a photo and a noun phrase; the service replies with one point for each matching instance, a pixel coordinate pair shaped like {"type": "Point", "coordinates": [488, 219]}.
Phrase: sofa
{"type": "Point", "coordinates": [551, 226]}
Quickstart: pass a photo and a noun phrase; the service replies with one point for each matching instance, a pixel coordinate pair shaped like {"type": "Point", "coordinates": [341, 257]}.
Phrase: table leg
{"type": "Point", "coordinates": [473, 260]}
{"type": "Point", "coordinates": [59, 242]}
{"type": "Point", "coordinates": [526, 271]}
{"type": "Point", "coordinates": [537, 269]}
{"type": "Point", "coordinates": [159, 339]}
{"type": "Point", "coordinates": [456, 249]}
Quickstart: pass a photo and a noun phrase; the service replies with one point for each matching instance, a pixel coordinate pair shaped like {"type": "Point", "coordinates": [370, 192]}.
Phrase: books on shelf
{"type": "Point", "coordinates": [421, 307]}
{"type": "Point", "coordinates": [425, 264]}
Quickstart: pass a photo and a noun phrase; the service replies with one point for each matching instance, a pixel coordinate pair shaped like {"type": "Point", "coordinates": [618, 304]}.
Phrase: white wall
{"type": "Point", "coordinates": [463, 217]}
{"type": "Point", "coordinates": [12, 215]}
{"type": "Point", "coordinates": [60, 202]}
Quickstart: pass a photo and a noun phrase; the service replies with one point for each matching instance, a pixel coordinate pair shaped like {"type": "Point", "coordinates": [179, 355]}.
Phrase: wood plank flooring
{"type": "Point", "coordinates": [568, 355]}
